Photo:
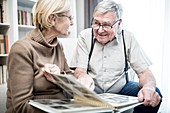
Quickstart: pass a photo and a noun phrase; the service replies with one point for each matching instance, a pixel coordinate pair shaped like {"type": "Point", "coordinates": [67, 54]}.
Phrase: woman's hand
{"type": "Point", "coordinates": [49, 69]}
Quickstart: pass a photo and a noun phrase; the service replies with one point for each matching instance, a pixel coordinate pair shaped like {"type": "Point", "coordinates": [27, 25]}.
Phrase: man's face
{"type": "Point", "coordinates": [105, 26]}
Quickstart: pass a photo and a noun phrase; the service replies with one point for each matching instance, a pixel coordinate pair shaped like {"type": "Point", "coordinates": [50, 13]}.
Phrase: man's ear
{"type": "Point", "coordinates": [120, 21]}
{"type": "Point", "coordinates": [120, 24]}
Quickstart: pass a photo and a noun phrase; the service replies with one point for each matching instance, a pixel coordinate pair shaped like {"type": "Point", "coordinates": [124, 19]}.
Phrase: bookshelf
{"type": "Point", "coordinates": [10, 26]}
{"type": "Point", "coordinates": [16, 30]}
{"type": "Point", "coordinates": [25, 23]}
{"type": "Point", "coordinates": [4, 31]}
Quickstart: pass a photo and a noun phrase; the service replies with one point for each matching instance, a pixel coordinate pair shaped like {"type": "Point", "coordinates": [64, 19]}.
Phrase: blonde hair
{"type": "Point", "coordinates": [42, 9]}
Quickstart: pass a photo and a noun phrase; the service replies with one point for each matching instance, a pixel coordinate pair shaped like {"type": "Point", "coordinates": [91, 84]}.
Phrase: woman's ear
{"type": "Point", "coordinates": [52, 19]}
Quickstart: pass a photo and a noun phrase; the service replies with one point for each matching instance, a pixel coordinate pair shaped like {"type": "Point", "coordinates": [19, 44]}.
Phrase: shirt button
{"type": "Point", "coordinates": [104, 70]}
{"type": "Point", "coordinates": [105, 56]}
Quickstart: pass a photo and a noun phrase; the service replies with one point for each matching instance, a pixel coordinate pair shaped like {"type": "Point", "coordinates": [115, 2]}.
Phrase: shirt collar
{"type": "Point", "coordinates": [118, 37]}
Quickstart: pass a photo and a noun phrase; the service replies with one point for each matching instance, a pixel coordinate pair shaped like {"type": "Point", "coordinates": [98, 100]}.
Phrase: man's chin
{"type": "Point", "coordinates": [103, 42]}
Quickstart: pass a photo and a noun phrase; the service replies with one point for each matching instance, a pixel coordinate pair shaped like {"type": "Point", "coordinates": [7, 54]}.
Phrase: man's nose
{"type": "Point", "coordinates": [100, 29]}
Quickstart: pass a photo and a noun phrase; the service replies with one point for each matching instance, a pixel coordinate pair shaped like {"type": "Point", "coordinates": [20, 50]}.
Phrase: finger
{"type": "Point", "coordinates": [46, 75]}
{"type": "Point", "coordinates": [55, 68]}
{"type": "Point", "coordinates": [140, 96]}
{"type": "Point", "coordinates": [43, 69]}
{"type": "Point", "coordinates": [146, 103]}
{"type": "Point", "coordinates": [147, 100]}
{"type": "Point", "coordinates": [152, 104]}
{"type": "Point", "coordinates": [155, 100]}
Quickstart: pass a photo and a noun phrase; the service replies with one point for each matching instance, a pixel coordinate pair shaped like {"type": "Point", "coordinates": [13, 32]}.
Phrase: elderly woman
{"type": "Point", "coordinates": [39, 49]}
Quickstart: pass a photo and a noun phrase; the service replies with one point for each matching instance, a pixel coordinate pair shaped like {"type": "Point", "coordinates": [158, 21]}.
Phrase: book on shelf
{"type": "Point", "coordinates": [4, 49]}
{"type": "Point", "coordinates": [3, 17]}
{"type": "Point", "coordinates": [6, 44]}
{"type": "Point", "coordinates": [24, 17]}
{"type": "Point", "coordinates": [4, 8]}
{"type": "Point", "coordinates": [3, 74]}
{"type": "Point", "coordinates": [85, 97]}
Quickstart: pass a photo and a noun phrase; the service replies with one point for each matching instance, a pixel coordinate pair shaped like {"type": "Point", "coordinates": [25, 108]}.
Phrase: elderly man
{"type": "Point", "coordinates": [104, 54]}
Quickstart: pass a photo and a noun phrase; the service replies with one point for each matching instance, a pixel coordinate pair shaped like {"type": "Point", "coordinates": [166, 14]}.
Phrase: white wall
{"type": "Point", "coordinates": [166, 61]}
{"type": "Point", "coordinates": [70, 42]}
{"type": "Point", "coordinates": [73, 29]}
{"type": "Point", "coordinates": [80, 15]}
{"type": "Point", "coordinates": [145, 19]}
{"type": "Point", "coordinates": [69, 45]}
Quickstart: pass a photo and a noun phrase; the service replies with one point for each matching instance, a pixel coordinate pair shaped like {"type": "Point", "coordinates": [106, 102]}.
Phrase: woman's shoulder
{"type": "Point", "coordinates": [20, 45]}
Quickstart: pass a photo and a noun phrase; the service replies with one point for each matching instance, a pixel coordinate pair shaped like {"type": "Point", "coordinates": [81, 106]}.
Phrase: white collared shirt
{"type": "Point", "coordinates": [108, 61]}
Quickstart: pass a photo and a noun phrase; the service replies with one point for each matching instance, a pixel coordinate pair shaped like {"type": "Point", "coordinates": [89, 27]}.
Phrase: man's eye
{"type": "Point", "coordinates": [106, 25]}
{"type": "Point", "coordinates": [96, 23]}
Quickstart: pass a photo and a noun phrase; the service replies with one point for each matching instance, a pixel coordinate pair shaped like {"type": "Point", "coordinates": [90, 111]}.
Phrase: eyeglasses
{"type": "Point", "coordinates": [69, 17]}
{"type": "Point", "coordinates": [106, 27]}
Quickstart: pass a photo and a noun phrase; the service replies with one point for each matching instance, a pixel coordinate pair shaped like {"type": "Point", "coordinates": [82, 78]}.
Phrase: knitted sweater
{"type": "Point", "coordinates": [26, 58]}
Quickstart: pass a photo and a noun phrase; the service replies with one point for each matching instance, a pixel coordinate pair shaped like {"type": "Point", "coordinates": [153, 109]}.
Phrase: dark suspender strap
{"type": "Point", "coordinates": [126, 62]}
{"type": "Point", "coordinates": [91, 50]}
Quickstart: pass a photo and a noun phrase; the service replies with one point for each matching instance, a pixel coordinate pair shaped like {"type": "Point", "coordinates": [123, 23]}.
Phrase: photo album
{"type": "Point", "coordinates": [84, 100]}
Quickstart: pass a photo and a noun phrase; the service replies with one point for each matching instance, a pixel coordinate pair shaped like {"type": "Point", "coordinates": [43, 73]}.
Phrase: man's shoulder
{"type": "Point", "coordinates": [129, 33]}
{"type": "Point", "coordinates": [129, 36]}
{"type": "Point", "coordinates": [86, 35]}
{"type": "Point", "coordinates": [86, 31]}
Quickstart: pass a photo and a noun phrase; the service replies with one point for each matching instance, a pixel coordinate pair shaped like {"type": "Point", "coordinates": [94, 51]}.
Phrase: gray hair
{"type": "Point", "coordinates": [109, 6]}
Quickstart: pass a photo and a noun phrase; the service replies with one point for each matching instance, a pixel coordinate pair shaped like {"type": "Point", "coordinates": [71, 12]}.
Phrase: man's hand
{"type": "Point", "coordinates": [84, 78]}
{"type": "Point", "coordinates": [149, 96]}
{"type": "Point", "coordinates": [87, 81]}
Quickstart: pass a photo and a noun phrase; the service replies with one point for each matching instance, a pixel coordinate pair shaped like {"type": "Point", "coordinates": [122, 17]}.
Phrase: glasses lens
{"type": "Point", "coordinates": [105, 27]}
{"type": "Point", "coordinates": [97, 25]}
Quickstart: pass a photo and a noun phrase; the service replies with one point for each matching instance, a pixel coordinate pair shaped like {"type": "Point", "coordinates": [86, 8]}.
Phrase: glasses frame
{"type": "Point", "coordinates": [63, 15]}
{"type": "Point", "coordinates": [100, 25]}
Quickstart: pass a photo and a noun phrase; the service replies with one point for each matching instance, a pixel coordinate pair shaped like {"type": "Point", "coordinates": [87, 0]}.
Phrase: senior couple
{"type": "Point", "coordinates": [101, 60]}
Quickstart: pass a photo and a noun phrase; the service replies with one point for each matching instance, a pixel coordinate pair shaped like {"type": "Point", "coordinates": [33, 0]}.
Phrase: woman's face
{"type": "Point", "coordinates": [62, 23]}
